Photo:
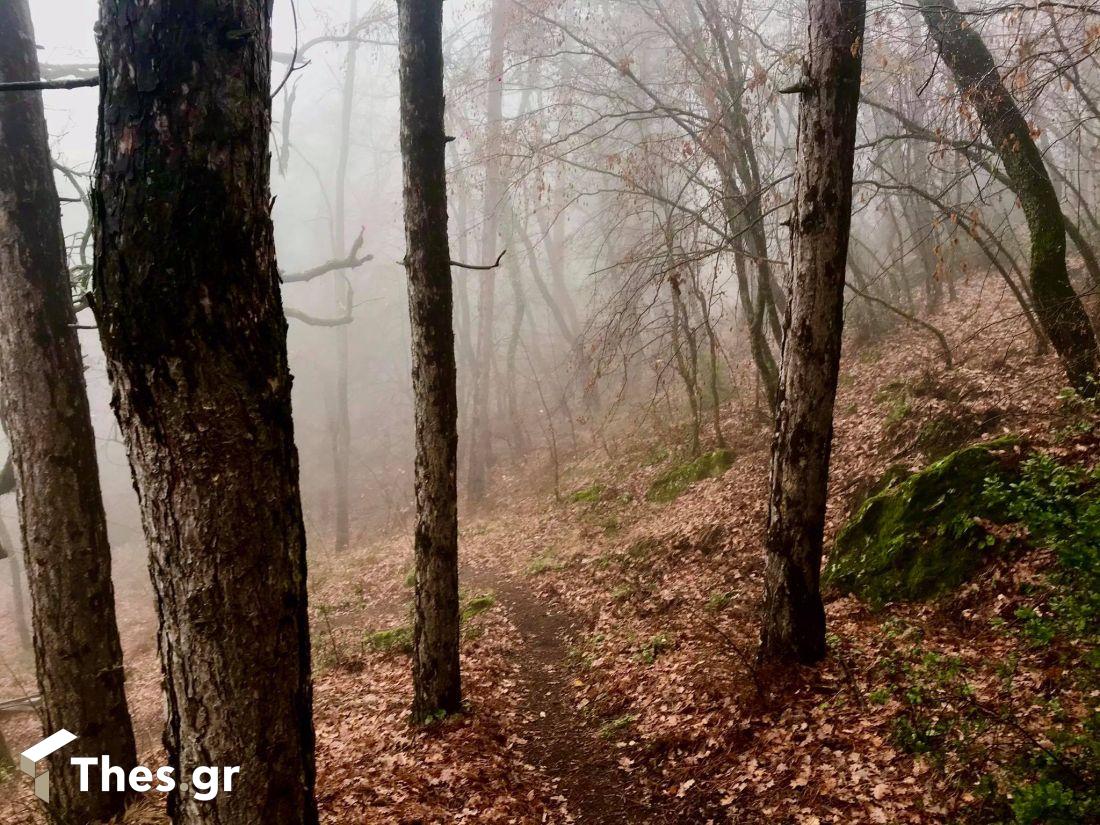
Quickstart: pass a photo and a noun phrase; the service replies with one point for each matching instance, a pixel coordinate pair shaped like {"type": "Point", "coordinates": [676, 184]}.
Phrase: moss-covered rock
{"type": "Point", "coordinates": [921, 537]}
{"type": "Point", "coordinates": [671, 483]}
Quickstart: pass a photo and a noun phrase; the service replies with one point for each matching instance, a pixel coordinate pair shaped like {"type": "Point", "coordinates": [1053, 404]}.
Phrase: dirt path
{"type": "Point", "coordinates": [561, 740]}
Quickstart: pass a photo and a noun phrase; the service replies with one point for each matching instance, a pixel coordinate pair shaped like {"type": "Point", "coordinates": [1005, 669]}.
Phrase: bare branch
{"type": "Point", "coordinates": [493, 265]}
{"type": "Point", "coordinates": [351, 261]}
{"type": "Point", "coordinates": [41, 85]}
{"type": "Point", "coordinates": [314, 321]}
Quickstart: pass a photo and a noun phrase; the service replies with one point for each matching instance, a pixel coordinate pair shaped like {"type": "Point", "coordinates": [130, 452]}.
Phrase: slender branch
{"type": "Point", "coordinates": [945, 347]}
{"type": "Point", "coordinates": [493, 265]}
{"type": "Point", "coordinates": [40, 85]}
{"type": "Point", "coordinates": [351, 261]}
{"type": "Point", "coordinates": [314, 321]}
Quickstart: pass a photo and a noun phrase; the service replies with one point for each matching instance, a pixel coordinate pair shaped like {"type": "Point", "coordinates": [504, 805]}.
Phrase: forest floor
{"type": "Point", "coordinates": [609, 641]}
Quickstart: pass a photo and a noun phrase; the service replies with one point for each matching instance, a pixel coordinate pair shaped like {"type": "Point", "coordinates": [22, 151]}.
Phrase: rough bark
{"type": "Point", "coordinates": [1057, 306]}
{"type": "Point", "coordinates": [436, 680]}
{"type": "Point", "coordinates": [794, 617]}
{"type": "Point", "coordinates": [186, 291]}
{"type": "Point", "coordinates": [45, 411]}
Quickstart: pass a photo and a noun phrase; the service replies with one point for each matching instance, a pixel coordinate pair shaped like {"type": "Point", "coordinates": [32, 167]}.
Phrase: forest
{"type": "Point", "coordinates": [549, 411]}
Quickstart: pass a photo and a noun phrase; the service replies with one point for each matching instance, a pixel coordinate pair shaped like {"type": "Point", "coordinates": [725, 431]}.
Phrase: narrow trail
{"type": "Point", "coordinates": [560, 739]}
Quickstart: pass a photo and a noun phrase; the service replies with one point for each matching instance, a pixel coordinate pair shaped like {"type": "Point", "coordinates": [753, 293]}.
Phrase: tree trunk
{"type": "Point", "coordinates": [436, 681]}
{"type": "Point", "coordinates": [341, 431]}
{"type": "Point", "coordinates": [481, 447]}
{"type": "Point", "coordinates": [1058, 307]}
{"type": "Point", "coordinates": [45, 411]}
{"type": "Point", "coordinates": [190, 314]}
{"type": "Point", "coordinates": [794, 617]}
{"type": "Point", "coordinates": [18, 602]}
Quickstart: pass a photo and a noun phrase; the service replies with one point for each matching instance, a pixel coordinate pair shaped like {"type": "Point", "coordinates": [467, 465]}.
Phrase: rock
{"type": "Point", "coordinates": [922, 537]}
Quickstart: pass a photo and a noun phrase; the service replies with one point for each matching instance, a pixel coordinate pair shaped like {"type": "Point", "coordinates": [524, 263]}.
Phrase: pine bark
{"type": "Point", "coordinates": [186, 292]}
{"type": "Point", "coordinates": [436, 679]}
{"type": "Point", "coordinates": [44, 406]}
{"type": "Point", "coordinates": [1059, 309]}
{"type": "Point", "coordinates": [794, 617]}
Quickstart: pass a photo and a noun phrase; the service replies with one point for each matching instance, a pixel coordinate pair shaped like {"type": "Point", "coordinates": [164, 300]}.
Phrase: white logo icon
{"type": "Point", "coordinates": [29, 759]}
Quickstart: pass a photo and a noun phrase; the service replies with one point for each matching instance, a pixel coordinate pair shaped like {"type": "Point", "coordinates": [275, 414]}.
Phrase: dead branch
{"type": "Point", "coordinates": [351, 261]}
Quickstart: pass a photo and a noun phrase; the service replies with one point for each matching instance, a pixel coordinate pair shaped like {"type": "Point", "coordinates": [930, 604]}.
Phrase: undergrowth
{"type": "Point", "coordinates": [1043, 771]}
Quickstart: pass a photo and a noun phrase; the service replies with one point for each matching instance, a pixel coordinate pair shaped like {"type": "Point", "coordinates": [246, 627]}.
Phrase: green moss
{"type": "Point", "coordinates": [952, 429]}
{"type": "Point", "coordinates": [920, 538]}
{"type": "Point", "coordinates": [542, 564]}
{"type": "Point", "coordinates": [395, 639]}
{"type": "Point", "coordinates": [718, 601]}
{"type": "Point", "coordinates": [400, 639]}
{"type": "Point", "coordinates": [670, 484]}
{"type": "Point", "coordinates": [587, 495]}
{"type": "Point", "coordinates": [476, 605]}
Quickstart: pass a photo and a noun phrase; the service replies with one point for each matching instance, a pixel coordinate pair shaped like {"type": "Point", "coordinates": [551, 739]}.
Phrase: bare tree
{"type": "Point", "coordinates": [794, 617]}
{"type": "Point", "coordinates": [45, 411]}
{"type": "Point", "coordinates": [1057, 306]}
{"type": "Point", "coordinates": [186, 292]}
{"type": "Point", "coordinates": [481, 446]}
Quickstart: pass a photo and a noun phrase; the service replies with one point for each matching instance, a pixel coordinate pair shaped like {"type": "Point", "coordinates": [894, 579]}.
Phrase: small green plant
{"type": "Point", "coordinates": [542, 564]}
{"type": "Point", "coordinates": [392, 640]}
{"type": "Point", "coordinates": [623, 592]}
{"type": "Point", "coordinates": [1048, 801]}
{"type": "Point", "coordinates": [651, 650]}
{"type": "Point", "coordinates": [1060, 507]}
{"type": "Point", "coordinates": [620, 723]}
{"type": "Point", "coordinates": [476, 605]}
{"type": "Point", "coordinates": [718, 600]}
{"type": "Point", "coordinates": [587, 495]}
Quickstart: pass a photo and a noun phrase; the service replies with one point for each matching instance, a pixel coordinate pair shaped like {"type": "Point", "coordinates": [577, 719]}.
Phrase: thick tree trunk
{"type": "Point", "coordinates": [45, 410]}
{"type": "Point", "coordinates": [436, 682]}
{"type": "Point", "coordinates": [794, 617]}
{"type": "Point", "coordinates": [189, 309]}
{"type": "Point", "coordinates": [1058, 307]}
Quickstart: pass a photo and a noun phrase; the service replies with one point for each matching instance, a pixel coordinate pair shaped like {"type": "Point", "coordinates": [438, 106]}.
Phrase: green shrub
{"type": "Point", "coordinates": [1047, 801]}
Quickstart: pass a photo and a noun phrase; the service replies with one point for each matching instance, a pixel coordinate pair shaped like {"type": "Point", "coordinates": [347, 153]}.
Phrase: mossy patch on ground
{"type": "Point", "coordinates": [543, 563]}
{"type": "Point", "coordinates": [921, 537]}
{"type": "Point", "coordinates": [400, 639]}
{"type": "Point", "coordinates": [395, 639]}
{"type": "Point", "coordinates": [671, 483]}
{"type": "Point", "coordinates": [587, 495]}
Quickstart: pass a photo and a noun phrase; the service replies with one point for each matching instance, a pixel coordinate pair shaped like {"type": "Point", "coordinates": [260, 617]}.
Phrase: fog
{"type": "Point", "coordinates": [642, 207]}
{"type": "Point", "coordinates": [379, 384]}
